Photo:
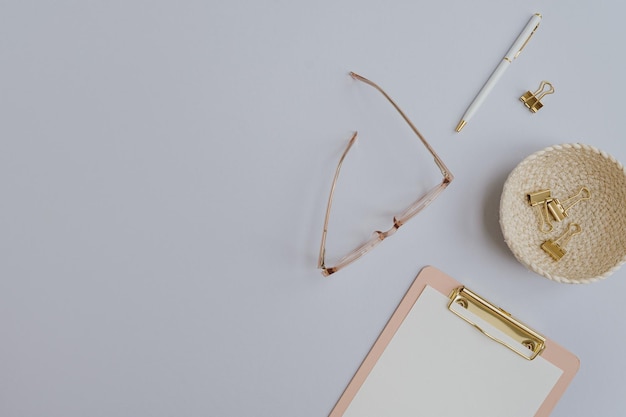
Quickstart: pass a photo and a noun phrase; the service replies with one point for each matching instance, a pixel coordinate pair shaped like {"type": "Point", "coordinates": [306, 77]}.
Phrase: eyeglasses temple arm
{"type": "Point", "coordinates": [320, 262]}
{"type": "Point", "coordinates": [442, 167]}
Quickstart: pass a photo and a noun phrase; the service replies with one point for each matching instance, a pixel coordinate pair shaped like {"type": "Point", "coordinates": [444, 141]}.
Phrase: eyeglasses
{"type": "Point", "coordinates": [399, 220]}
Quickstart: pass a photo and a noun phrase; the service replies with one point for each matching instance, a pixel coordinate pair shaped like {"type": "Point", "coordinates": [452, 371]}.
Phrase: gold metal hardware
{"type": "Point", "coordinates": [554, 248]}
{"type": "Point", "coordinates": [533, 100]}
{"type": "Point", "coordinates": [559, 210]}
{"type": "Point", "coordinates": [527, 39]}
{"type": "Point", "coordinates": [539, 197]}
{"type": "Point", "coordinates": [461, 125]}
{"type": "Point", "coordinates": [545, 226]}
{"type": "Point", "coordinates": [530, 342]}
{"type": "Point", "coordinates": [539, 200]}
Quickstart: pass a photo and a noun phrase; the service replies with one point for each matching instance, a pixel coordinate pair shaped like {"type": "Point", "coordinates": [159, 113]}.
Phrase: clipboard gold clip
{"type": "Point", "coordinates": [508, 331]}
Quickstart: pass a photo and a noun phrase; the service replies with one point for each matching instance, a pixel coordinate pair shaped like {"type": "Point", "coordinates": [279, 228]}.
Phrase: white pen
{"type": "Point", "coordinates": [513, 53]}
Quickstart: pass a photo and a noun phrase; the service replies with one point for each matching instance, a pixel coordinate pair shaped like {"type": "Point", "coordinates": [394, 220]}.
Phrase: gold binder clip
{"type": "Point", "coordinates": [559, 210]}
{"type": "Point", "coordinates": [533, 100]}
{"type": "Point", "coordinates": [539, 197]}
{"type": "Point", "coordinates": [539, 200]}
{"type": "Point", "coordinates": [507, 330]}
{"type": "Point", "coordinates": [554, 248]}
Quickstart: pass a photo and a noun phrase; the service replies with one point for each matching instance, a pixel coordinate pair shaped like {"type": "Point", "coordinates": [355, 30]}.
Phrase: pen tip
{"type": "Point", "coordinates": [461, 125]}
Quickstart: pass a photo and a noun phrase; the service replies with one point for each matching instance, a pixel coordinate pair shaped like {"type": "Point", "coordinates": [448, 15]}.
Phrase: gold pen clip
{"type": "Point", "coordinates": [527, 39]}
{"type": "Point", "coordinates": [533, 100]}
{"type": "Point", "coordinates": [495, 323]}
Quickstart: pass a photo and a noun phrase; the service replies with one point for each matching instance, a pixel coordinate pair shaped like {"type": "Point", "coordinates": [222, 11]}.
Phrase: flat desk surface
{"type": "Point", "coordinates": [164, 175]}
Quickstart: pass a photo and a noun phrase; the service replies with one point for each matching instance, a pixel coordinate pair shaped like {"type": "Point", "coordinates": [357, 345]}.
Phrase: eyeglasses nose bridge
{"type": "Point", "coordinates": [391, 231]}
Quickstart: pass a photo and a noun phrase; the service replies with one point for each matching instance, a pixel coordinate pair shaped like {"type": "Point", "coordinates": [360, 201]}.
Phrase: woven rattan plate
{"type": "Point", "coordinates": [600, 248]}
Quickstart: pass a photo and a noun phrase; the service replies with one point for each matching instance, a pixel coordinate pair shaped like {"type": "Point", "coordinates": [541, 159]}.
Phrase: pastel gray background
{"type": "Point", "coordinates": [164, 169]}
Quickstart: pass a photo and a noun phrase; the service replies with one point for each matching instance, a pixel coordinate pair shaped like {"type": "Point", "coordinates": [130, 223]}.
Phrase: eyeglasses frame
{"type": "Point", "coordinates": [398, 221]}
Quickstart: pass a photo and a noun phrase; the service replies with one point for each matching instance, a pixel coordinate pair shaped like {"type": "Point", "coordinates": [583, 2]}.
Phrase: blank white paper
{"type": "Point", "coordinates": [439, 365]}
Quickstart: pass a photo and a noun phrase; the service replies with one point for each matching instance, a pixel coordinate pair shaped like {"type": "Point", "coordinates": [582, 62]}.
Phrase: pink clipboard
{"type": "Point", "coordinates": [551, 360]}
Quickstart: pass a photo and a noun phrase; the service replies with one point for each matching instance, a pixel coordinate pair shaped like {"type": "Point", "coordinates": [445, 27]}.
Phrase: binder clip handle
{"type": "Point", "coordinates": [582, 194]}
{"type": "Point", "coordinates": [559, 209]}
{"type": "Point", "coordinates": [572, 230]}
{"type": "Point", "coordinates": [554, 248]}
